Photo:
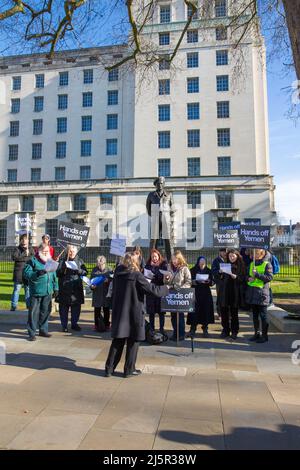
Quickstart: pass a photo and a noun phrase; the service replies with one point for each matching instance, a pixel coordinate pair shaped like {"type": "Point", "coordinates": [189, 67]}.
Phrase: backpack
{"type": "Point", "coordinates": [153, 337]}
{"type": "Point", "coordinates": [275, 264]}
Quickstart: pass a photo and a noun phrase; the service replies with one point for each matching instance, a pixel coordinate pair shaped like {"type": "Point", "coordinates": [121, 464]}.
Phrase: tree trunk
{"type": "Point", "coordinates": [292, 12]}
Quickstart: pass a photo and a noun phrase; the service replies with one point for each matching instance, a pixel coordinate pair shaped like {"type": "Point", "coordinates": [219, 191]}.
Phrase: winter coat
{"type": "Point", "coordinates": [152, 302]}
{"type": "Point", "coordinates": [100, 292]}
{"type": "Point", "coordinates": [181, 278]}
{"type": "Point", "coordinates": [70, 283]}
{"type": "Point", "coordinates": [39, 286]}
{"type": "Point", "coordinates": [231, 292]}
{"type": "Point", "coordinates": [204, 306]}
{"type": "Point", "coordinates": [127, 302]}
{"type": "Point", "coordinates": [20, 258]}
{"type": "Point", "coordinates": [257, 295]}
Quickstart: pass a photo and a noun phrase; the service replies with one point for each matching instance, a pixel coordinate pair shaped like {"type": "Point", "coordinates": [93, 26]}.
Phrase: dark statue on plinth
{"type": "Point", "coordinates": [161, 210]}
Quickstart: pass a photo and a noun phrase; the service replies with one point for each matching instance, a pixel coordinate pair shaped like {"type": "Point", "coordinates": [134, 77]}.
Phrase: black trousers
{"type": "Point", "coordinates": [97, 315]}
{"type": "Point", "coordinates": [115, 354]}
{"type": "Point", "coordinates": [260, 312]}
{"type": "Point", "coordinates": [230, 319]}
{"type": "Point", "coordinates": [64, 313]}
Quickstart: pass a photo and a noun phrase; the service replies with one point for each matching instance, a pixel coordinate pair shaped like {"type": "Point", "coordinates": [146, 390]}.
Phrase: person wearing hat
{"type": "Point", "coordinates": [46, 241]}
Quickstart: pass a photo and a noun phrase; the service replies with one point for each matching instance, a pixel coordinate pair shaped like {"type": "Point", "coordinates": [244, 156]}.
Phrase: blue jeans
{"type": "Point", "coordinates": [16, 294]}
{"type": "Point", "coordinates": [64, 314]}
{"type": "Point", "coordinates": [181, 324]}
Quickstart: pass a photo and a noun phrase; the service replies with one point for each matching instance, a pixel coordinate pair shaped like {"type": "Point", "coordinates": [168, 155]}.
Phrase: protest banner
{"type": "Point", "coordinates": [72, 234]}
{"type": "Point", "coordinates": [118, 246]}
{"type": "Point", "coordinates": [229, 225]}
{"type": "Point", "coordinates": [23, 223]}
{"type": "Point", "coordinates": [252, 222]}
{"type": "Point", "coordinates": [226, 239]}
{"type": "Point", "coordinates": [179, 300]}
{"type": "Point", "coordinates": [255, 237]}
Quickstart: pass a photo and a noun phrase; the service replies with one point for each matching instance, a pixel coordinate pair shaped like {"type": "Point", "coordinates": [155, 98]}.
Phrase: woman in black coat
{"type": "Point", "coordinates": [204, 306]}
{"type": "Point", "coordinates": [231, 289]}
{"type": "Point", "coordinates": [128, 323]}
{"type": "Point", "coordinates": [154, 264]}
{"type": "Point", "coordinates": [100, 300]}
{"type": "Point", "coordinates": [70, 293]}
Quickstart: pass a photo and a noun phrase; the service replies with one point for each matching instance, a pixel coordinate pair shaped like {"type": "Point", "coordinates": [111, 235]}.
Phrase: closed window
{"type": "Point", "coordinates": [63, 78]}
{"type": "Point", "coordinates": [224, 199]}
{"type": "Point", "coordinates": [3, 232]}
{"type": "Point", "coordinates": [37, 126]}
{"type": "Point", "coordinates": [38, 104]}
{"type": "Point", "coordinates": [15, 105]}
{"type": "Point", "coordinates": [106, 199]}
{"type": "Point", "coordinates": [164, 167]}
{"type": "Point", "coordinates": [165, 13]}
{"type": "Point", "coordinates": [35, 174]}
{"type": "Point", "coordinates": [79, 202]}
{"type": "Point", "coordinates": [113, 75]}
{"type": "Point", "coordinates": [51, 227]}
{"type": "Point", "coordinates": [27, 204]}
{"type": "Point", "coordinates": [88, 76]}
{"type": "Point", "coordinates": [223, 109]}
{"type": "Point", "coordinates": [222, 57]}
{"type": "Point", "coordinates": [13, 152]}
{"type": "Point", "coordinates": [112, 121]}
{"type": "Point", "coordinates": [193, 111]}
{"type": "Point", "coordinates": [86, 148]}
{"type": "Point", "coordinates": [191, 13]}
{"type": "Point", "coordinates": [220, 8]}
{"type": "Point", "coordinates": [221, 33]}
{"type": "Point", "coordinates": [222, 83]}
{"type": "Point", "coordinates": [86, 123]}
{"type": "Point", "coordinates": [60, 173]}
{"type": "Point", "coordinates": [112, 97]}
{"type": "Point", "coordinates": [105, 232]}
{"type": "Point", "coordinates": [193, 137]}
{"type": "Point", "coordinates": [16, 83]}
{"type": "Point", "coordinates": [224, 166]}
{"type": "Point", "coordinates": [164, 139]}
{"type": "Point", "coordinates": [193, 85]}
{"type": "Point", "coordinates": [192, 60]}
{"type": "Point", "coordinates": [192, 36]}
{"type": "Point", "coordinates": [85, 172]}
{"type": "Point", "coordinates": [40, 80]}
{"type": "Point", "coordinates": [111, 147]}
{"type": "Point", "coordinates": [164, 87]}
{"type": "Point", "coordinates": [61, 149]}
{"type": "Point", "coordinates": [52, 204]}
{"type": "Point", "coordinates": [62, 101]}
{"type": "Point", "coordinates": [12, 176]}
{"type": "Point", "coordinates": [111, 171]}
{"type": "Point", "coordinates": [14, 128]}
{"type": "Point", "coordinates": [164, 112]}
{"type": "Point", "coordinates": [164, 64]}
{"type": "Point", "coordinates": [3, 203]}
{"type": "Point", "coordinates": [193, 166]}
{"type": "Point", "coordinates": [87, 99]}
{"type": "Point", "coordinates": [224, 137]}
{"type": "Point", "coordinates": [164, 39]}
{"type": "Point", "coordinates": [194, 198]}
{"type": "Point", "coordinates": [62, 125]}
{"type": "Point", "coordinates": [37, 151]}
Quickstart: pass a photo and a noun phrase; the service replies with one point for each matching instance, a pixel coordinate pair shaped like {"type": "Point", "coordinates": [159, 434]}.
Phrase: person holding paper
{"type": "Point", "coordinates": [204, 307]}
{"type": "Point", "coordinates": [231, 287]}
{"type": "Point", "coordinates": [154, 264]}
{"type": "Point", "coordinates": [215, 269]}
{"type": "Point", "coordinates": [180, 278]}
{"type": "Point", "coordinates": [42, 285]}
{"type": "Point", "coordinates": [258, 294]}
{"type": "Point", "coordinates": [128, 323]}
{"type": "Point", "coordinates": [20, 256]}
{"type": "Point", "coordinates": [70, 296]}
{"type": "Point", "coordinates": [100, 300]}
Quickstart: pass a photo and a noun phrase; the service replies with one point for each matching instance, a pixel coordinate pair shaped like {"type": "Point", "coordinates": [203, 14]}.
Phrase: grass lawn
{"type": "Point", "coordinates": [6, 288]}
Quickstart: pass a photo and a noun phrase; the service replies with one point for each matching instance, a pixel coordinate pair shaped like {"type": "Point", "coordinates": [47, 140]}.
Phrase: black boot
{"type": "Point", "coordinates": [205, 331]}
{"type": "Point", "coordinates": [191, 333]}
{"type": "Point", "coordinates": [255, 337]}
{"type": "Point", "coordinates": [264, 337]}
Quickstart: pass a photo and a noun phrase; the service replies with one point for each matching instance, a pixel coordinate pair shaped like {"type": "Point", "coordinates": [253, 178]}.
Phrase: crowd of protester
{"type": "Point", "coordinates": [135, 287]}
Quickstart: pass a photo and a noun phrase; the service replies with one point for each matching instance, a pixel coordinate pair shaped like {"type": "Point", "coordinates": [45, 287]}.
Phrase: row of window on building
{"type": "Point", "coordinates": [166, 11]}
{"type": "Point", "coordinates": [193, 111]}
{"type": "Point", "coordinates": [192, 36]}
{"type": "Point", "coordinates": [192, 60]}
{"type": "Point", "coordinates": [193, 85]}
{"type": "Point", "coordinates": [111, 171]}
{"type": "Point", "coordinates": [193, 138]}
{"type": "Point", "coordinates": [63, 79]}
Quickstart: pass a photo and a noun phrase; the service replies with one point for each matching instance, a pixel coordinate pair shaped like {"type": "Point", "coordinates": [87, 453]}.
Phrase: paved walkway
{"type": "Point", "coordinates": [53, 393]}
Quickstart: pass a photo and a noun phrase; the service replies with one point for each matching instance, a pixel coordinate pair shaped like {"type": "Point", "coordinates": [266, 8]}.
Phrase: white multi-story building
{"type": "Point", "coordinates": [74, 137]}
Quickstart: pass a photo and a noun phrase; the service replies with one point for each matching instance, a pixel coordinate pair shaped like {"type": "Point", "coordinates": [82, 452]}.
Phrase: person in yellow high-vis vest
{"type": "Point", "coordinates": [258, 294]}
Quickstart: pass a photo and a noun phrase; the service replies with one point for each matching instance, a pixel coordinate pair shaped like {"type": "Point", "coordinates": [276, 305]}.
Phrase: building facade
{"type": "Point", "coordinates": [81, 144]}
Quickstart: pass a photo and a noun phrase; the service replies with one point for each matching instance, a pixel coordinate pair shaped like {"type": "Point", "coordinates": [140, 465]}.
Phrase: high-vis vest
{"type": "Point", "coordinates": [261, 268]}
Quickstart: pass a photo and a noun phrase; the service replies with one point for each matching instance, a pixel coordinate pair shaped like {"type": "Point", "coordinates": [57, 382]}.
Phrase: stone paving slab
{"type": "Point", "coordinates": [98, 439]}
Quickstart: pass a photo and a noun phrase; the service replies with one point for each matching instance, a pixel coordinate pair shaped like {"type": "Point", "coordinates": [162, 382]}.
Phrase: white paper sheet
{"type": "Point", "coordinates": [225, 268]}
{"type": "Point", "coordinates": [51, 266]}
{"type": "Point", "coordinates": [86, 280]}
{"type": "Point", "coordinates": [148, 274]}
{"type": "Point", "coordinates": [165, 273]}
{"type": "Point", "coordinates": [202, 277]}
{"type": "Point", "coordinates": [72, 265]}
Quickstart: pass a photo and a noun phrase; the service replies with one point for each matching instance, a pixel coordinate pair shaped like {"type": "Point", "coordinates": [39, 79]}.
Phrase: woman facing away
{"type": "Point", "coordinates": [100, 301]}
{"type": "Point", "coordinates": [202, 280]}
{"type": "Point", "coordinates": [155, 264]}
{"type": "Point", "coordinates": [180, 277]}
{"type": "Point", "coordinates": [128, 323]}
